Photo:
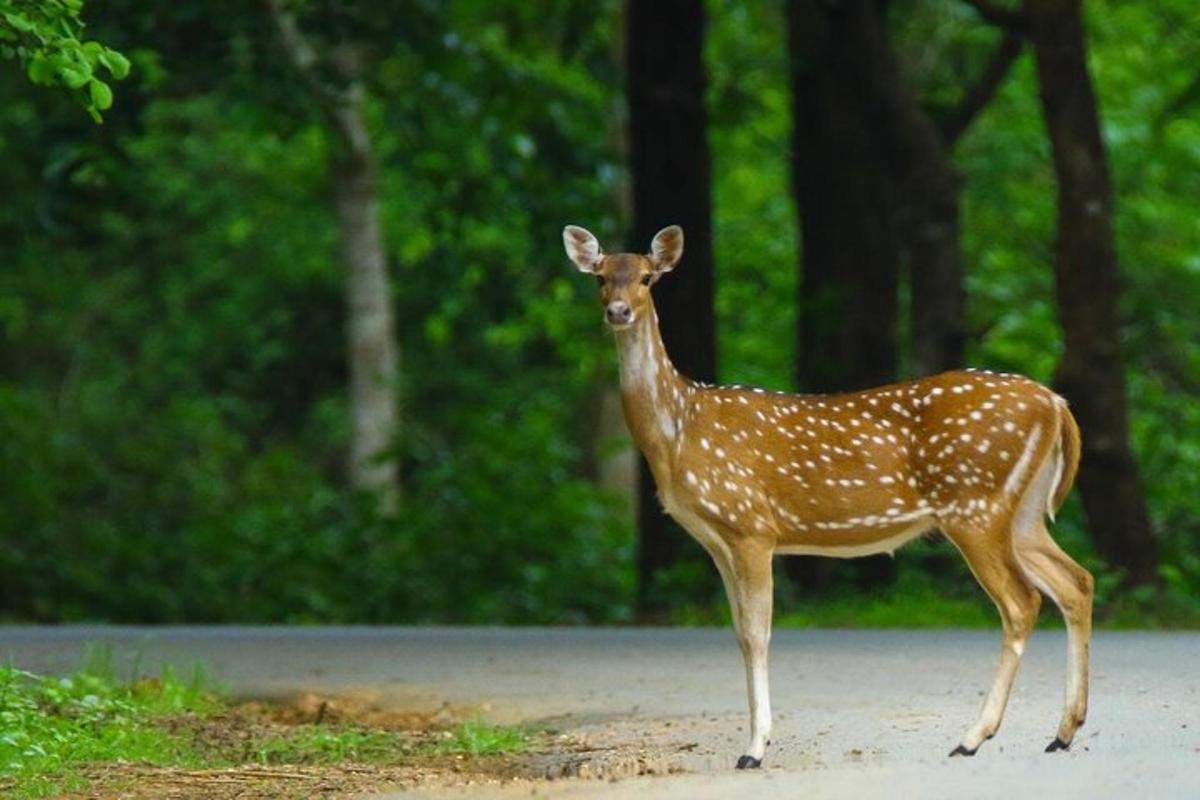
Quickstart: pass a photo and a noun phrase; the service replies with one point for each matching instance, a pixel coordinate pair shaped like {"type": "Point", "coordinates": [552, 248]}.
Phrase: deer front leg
{"type": "Point", "coordinates": [748, 582]}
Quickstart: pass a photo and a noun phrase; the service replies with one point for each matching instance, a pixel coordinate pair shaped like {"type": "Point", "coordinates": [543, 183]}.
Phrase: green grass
{"type": "Point", "coordinates": [934, 589]}
{"type": "Point", "coordinates": [911, 610]}
{"type": "Point", "coordinates": [51, 728]}
{"type": "Point", "coordinates": [480, 738]}
{"type": "Point", "coordinates": [903, 610]}
{"type": "Point", "coordinates": [314, 744]}
{"type": "Point", "coordinates": [927, 607]}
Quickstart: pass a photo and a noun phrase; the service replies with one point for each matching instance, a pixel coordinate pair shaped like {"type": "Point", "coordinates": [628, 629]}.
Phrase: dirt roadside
{"type": "Point", "coordinates": [418, 762]}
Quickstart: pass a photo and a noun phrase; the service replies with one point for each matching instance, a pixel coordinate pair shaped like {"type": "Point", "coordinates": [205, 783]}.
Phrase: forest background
{"type": "Point", "coordinates": [290, 336]}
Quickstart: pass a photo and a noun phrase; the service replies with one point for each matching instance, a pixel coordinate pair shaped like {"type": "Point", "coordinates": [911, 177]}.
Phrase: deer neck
{"type": "Point", "coordinates": [653, 393]}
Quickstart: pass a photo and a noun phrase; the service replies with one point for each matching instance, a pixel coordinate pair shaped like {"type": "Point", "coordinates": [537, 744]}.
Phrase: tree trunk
{"type": "Point", "coordinates": [844, 188]}
{"type": "Point", "coordinates": [931, 233]}
{"type": "Point", "coordinates": [372, 349]}
{"type": "Point", "coordinates": [1091, 373]}
{"type": "Point", "coordinates": [671, 185]}
{"type": "Point", "coordinates": [371, 346]}
{"type": "Point", "coordinates": [930, 208]}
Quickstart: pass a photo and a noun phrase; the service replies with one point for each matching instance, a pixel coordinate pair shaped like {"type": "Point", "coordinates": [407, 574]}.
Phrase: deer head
{"type": "Point", "coordinates": [624, 278]}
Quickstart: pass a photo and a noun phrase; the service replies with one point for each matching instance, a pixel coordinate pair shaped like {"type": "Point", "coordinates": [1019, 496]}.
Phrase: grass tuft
{"type": "Point", "coordinates": [477, 737]}
{"type": "Point", "coordinates": [312, 744]}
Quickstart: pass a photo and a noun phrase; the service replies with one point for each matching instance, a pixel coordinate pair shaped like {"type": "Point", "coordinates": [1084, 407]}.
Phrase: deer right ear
{"type": "Point", "coordinates": [582, 247]}
{"type": "Point", "coordinates": [667, 248]}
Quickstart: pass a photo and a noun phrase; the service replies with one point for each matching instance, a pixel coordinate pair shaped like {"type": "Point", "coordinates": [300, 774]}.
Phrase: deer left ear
{"type": "Point", "coordinates": [667, 248]}
{"type": "Point", "coordinates": [582, 247]}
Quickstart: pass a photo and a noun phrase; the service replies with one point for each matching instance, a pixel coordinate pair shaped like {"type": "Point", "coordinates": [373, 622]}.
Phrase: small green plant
{"type": "Point", "coordinates": [320, 745]}
{"type": "Point", "coordinates": [49, 726]}
{"type": "Point", "coordinates": [478, 737]}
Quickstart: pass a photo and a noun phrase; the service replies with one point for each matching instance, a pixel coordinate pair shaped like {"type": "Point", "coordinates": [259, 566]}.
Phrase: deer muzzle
{"type": "Point", "coordinates": [618, 313]}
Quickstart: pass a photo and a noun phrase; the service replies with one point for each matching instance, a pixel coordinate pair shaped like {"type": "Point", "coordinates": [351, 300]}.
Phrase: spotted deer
{"type": "Point", "coordinates": [749, 473]}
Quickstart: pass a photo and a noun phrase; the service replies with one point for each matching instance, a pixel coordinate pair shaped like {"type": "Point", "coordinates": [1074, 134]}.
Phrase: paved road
{"type": "Point", "coordinates": [859, 714]}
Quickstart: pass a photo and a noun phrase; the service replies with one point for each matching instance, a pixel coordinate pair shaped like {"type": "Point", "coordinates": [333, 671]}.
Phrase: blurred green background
{"type": "Point", "coordinates": [174, 413]}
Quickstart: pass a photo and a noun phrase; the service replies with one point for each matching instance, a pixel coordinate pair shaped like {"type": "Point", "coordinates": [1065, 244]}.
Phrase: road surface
{"type": "Point", "coordinates": [859, 714]}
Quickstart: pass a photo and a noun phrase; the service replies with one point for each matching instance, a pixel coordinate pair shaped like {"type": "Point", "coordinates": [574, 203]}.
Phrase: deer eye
{"type": "Point", "coordinates": [646, 279]}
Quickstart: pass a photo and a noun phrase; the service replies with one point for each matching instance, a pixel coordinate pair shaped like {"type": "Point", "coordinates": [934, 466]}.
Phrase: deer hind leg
{"type": "Point", "coordinates": [1063, 581]}
{"type": "Point", "coordinates": [990, 556]}
{"type": "Point", "coordinates": [1070, 587]}
{"type": "Point", "coordinates": [746, 572]}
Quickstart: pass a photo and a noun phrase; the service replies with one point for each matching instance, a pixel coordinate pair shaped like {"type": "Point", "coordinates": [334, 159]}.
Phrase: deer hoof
{"type": "Point", "coordinates": [1057, 744]}
{"type": "Point", "coordinates": [961, 751]}
{"type": "Point", "coordinates": [749, 762]}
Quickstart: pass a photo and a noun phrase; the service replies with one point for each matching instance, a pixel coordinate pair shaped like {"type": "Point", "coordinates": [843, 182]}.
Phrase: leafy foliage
{"type": "Point", "coordinates": [196, 448]}
{"type": "Point", "coordinates": [172, 410]}
{"type": "Point", "coordinates": [44, 35]}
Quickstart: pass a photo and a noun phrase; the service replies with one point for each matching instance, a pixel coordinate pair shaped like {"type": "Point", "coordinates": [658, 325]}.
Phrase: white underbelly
{"type": "Point", "coordinates": [887, 545]}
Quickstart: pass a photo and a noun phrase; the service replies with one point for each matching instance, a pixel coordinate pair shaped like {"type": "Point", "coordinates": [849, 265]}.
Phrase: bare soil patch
{"type": "Point", "coordinates": [237, 736]}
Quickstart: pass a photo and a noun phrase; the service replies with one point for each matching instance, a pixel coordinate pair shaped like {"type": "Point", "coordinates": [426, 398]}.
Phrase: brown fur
{"type": "Point", "coordinates": [751, 473]}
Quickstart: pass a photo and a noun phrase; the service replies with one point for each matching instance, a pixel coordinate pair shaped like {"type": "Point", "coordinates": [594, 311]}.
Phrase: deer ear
{"type": "Point", "coordinates": [582, 248]}
{"type": "Point", "coordinates": [667, 248]}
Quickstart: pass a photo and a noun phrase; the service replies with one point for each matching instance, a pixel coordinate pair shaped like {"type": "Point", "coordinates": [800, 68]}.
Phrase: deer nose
{"type": "Point", "coordinates": [618, 312]}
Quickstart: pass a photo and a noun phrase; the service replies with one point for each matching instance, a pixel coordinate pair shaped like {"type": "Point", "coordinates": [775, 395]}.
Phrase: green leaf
{"type": "Point", "coordinates": [117, 64]}
{"type": "Point", "coordinates": [20, 22]}
{"type": "Point", "coordinates": [74, 76]}
{"type": "Point", "coordinates": [40, 70]}
{"type": "Point", "coordinates": [102, 96]}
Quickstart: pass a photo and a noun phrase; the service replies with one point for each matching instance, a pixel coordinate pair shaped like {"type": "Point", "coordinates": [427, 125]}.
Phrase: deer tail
{"type": "Point", "coordinates": [1068, 453]}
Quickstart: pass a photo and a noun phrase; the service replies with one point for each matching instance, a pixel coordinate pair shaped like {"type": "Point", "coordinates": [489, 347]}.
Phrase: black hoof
{"type": "Point", "coordinates": [961, 751]}
{"type": "Point", "coordinates": [1056, 745]}
{"type": "Point", "coordinates": [749, 762]}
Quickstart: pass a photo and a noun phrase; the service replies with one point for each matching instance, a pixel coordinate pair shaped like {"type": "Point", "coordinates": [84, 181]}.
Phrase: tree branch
{"type": "Point", "coordinates": [304, 57]}
{"type": "Point", "coordinates": [341, 104]}
{"type": "Point", "coordinates": [998, 15]}
{"type": "Point", "coordinates": [979, 94]}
